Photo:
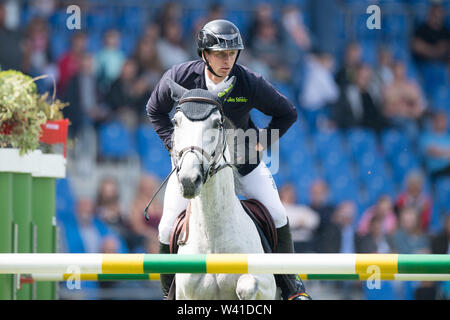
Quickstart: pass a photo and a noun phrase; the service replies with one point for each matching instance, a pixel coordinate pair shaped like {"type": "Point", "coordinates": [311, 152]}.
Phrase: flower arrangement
{"type": "Point", "coordinates": [23, 111]}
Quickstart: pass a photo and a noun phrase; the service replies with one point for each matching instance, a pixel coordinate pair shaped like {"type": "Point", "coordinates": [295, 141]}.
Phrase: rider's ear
{"type": "Point", "coordinates": [176, 91]}
{"type": "Point", "coordinates": [225, 88]}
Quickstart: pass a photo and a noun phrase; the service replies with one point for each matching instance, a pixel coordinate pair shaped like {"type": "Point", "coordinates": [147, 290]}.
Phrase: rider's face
{"type": "Point", "coordinates": [221, 61]}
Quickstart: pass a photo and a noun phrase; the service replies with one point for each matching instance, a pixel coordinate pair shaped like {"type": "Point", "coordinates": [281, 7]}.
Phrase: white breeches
{"type": "Point", "coordinates": [258, 184]}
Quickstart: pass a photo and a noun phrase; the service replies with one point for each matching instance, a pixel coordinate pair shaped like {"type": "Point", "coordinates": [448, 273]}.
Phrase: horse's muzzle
{"type": "Point", "coordinates": [190, 185]}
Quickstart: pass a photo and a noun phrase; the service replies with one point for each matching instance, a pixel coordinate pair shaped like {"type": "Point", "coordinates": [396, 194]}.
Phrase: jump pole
{"type": "Point", "coordinates": [156, 276]}
{"type": "Point", "coordinates": [225, 263]}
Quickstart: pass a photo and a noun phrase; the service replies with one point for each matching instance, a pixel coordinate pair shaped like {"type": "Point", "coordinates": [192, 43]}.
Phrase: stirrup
{"type": "Point", "coordinates": [300, 296]}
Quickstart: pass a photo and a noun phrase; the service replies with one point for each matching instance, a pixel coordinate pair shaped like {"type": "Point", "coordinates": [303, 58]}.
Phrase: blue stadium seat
{"type": "Point", "coordinates": [157, 161]}
{"type": "Point", "coordinates": [95, 41]}
{"type": "Point", "coordinates": [371, 165]}
{"type": "Point", "coordinates": [403, 163]}
{"type": "Point", "coordinates": [441, 98]}
{"type": "Point", "coordinates": [133, 19]}
{"type": "Point", "coordinates": [361, 141]}
{"type": "Point", "coordinates": [443, 194]}
{"type": "Point", "coordinates": [115, 141]}
{"type": "Point", "coordinates": [303, 183]}
{"type": "Point", "coordinates": [394, 141]}
{"type": "Point", "coordinates": [369, 50]}
{"type": "Point", "coordinates": [336, 163]}
{"type": "Point", "coordinates": [379, 185]}
{"type": "Point", "coordinates": [147, 139]}
{"type": "Point", "coordinates": [327, 141]}
{"type": "Point", "coordinates": [100, 20]}
{"type": "Point", "coordinates": [152, 153]}
{"type": "Point", "coordinates": [384, 292]}
{"type": "Point", "coordinates": [59, 44]}
{"type": "Point", "coordinates": [65, 201]}
{"type": "Point", "coordinates": [395, 26]}
{"type": "Point", "coordinates": [343, 187]}
{"type": "Point", "coordinates": [58, 20]}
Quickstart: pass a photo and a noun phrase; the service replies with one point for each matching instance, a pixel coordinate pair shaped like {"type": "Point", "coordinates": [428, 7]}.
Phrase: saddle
{"type": "Point", "coordinates": [255, 210]}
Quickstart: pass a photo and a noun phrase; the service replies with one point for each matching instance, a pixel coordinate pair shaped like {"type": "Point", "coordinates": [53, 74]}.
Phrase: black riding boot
{"type": "Point", "coordinates": [291, 285]}
{"type": "Point", "coordinates": [166, 279]}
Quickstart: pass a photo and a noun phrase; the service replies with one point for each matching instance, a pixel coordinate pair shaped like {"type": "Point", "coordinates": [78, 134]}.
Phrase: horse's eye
{"type": "Point", "coordinates": [216, 124]}
{"type": "Point", "coordinates": [175, 122]}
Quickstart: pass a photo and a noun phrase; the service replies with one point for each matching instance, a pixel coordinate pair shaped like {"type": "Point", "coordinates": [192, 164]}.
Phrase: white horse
{"type": "Point", "coordinates": [218, 223]}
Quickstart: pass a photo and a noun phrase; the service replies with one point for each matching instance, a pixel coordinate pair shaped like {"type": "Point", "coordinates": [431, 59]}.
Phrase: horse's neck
{"type": "Point", "coordinates": [216, 209]}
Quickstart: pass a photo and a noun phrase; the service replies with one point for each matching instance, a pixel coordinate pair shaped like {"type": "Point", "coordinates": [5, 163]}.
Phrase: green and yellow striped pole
{"type": "Point", "coordinates": [227, 263]}
{"type": "Point", "coordinates": [156, 276]}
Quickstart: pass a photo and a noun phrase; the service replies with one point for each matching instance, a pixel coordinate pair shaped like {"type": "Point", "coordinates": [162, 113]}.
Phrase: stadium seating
{"type": "Point", "coordinates": [115, 141]}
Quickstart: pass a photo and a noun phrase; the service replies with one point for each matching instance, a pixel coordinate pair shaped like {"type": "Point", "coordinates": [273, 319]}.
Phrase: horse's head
{"type": "Point", "coordinates": [199, 140]}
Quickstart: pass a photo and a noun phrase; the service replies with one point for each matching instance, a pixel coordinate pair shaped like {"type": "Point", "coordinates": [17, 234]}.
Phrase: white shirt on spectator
{"type": "Point", "coordinates": [170, 54]}
{"type": "Point", "coordinates": [319, 86]}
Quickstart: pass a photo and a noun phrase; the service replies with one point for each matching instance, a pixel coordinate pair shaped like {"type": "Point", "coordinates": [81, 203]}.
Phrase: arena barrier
{"type": "Point", "coordinates": [156, 276]}
{"type": "Point", "coordinates": [340, 264]}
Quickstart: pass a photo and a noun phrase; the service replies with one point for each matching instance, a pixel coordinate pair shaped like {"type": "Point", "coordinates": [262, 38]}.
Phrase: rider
{"type": "Point", "coordinates": [219, 45]}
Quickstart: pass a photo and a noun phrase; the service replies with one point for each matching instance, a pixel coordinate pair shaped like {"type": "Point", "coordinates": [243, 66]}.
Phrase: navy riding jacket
{"type": "Point", "coordinates": [250, 91]}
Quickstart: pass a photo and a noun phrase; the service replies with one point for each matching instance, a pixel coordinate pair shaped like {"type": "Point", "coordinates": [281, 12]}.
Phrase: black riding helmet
{"type": "Point", "coordinates": [219, 35]}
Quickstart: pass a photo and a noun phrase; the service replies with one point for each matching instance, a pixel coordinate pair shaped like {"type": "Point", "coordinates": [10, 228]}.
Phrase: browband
{"type": "Point", "coordinates": [200, 99]}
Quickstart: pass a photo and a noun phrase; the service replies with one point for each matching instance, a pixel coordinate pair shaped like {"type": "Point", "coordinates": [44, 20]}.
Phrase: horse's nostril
{"type": "Point", "coordinates": [197, 181]}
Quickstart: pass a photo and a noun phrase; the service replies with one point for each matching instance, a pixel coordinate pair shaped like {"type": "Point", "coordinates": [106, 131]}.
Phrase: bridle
{"type": "Point", "coordinates": [212, 159]}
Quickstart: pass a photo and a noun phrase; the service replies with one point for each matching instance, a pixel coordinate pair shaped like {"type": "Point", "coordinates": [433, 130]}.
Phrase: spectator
{"type": "Point", "coordinates": [339, 235]}
{"type": "Point", "coordinates": [408, 238]}
{"type": "Point", "coordinates": [374, 241]}
{"type": "Point", "coordinates": [430, 41]}
{"type": "Point", "coordinates": [402, 97]}
{"type": "Point", "coordinates": [170, 11]}
{"type": "Point", "coordinates": [70, 63]}
{"type": "Point", "coordinates": [357, 105]}
{"type": "Point", "coordinates": [266, 46]}
{"type": "Point", "coordinates": [11, 48]}
{"type": "Point", "coordinates": [37, 60]}
{"type": "Point", "coordinates": [109, 61]}
{"type": "Point", "coordinates": [296, 41]}
{"type": "Point", "coordinates": [90, 234]}
{"type": "Point", "coordinates": [169, 47]}
{"type": "Point", "coordinates": [109, 211]}
{"type": "Point", "coordinates": [319, 202]}
{"type": "Point", "coordinates": [146, 230]}
{"type": "Point", "coordinates": [319, 88]}
{"type": "Point", "coordinates": [346, 74]}
{"type": "Point", "coordinates": [82, 96]}
{"type": "Point", "coordinates": [126, 94]}
{"type": "Point", "coordinates": [302, 220]}
{"type": "Point", "coordinates": [384, 211]}
{"type": "Point", "coordinates": [435, 145]}
{"type": "Point", "coordinates": [440, 243]}
{"type": "Point", "coordinates": [383, 73]}
{"type": "Point", "coordinates": [263, 14]}
{"type": "Point", "coordinates": [415, 196]}
{"type": "Point", "coordinates": [149, 67]}
{"type": "Point", "coordinates": [215, 12]}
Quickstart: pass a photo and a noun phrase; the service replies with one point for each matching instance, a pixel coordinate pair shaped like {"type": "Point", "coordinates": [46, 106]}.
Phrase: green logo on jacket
{"type": "Point", "coordinates": [237, 99]}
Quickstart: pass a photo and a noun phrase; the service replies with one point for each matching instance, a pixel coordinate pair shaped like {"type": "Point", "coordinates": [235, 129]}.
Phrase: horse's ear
{"type": "Point", "coordinates": [224, 89]}
{"type": "Point", "coordinates": [176, 91]}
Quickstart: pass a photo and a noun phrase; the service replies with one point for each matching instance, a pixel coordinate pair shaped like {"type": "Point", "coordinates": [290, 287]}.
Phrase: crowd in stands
{"type": "Point", "coordinates": [365, 169]}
